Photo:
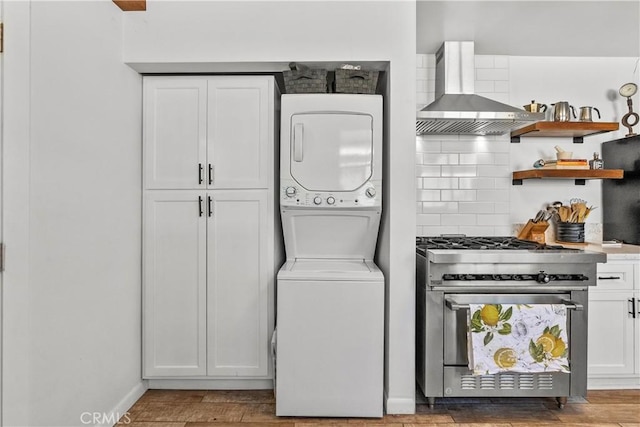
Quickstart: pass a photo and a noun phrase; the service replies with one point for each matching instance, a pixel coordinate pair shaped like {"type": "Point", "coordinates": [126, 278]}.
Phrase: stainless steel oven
{"type": "Point", "coordinates": [496, 270]}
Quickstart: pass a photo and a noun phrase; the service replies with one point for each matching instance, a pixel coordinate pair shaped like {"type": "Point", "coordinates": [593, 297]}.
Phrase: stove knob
{"type": "Point", "coordinates": [331, 200]}
{"type": "Point", "coordinates": [543, 277]}
{"type": "Point", "coordinates": [370, 192]}
{"type": "Point", "coordinates": [317, 200]}
{"type": "Point", "coordinates": [290, 191]}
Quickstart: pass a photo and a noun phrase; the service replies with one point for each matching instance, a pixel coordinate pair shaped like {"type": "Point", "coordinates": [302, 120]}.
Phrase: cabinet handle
{"type": "Point", "coordinates": [633, 307]}
{"type": "Point", "coordinates": [200, 206]}
{"type": "Point", "coordinates": [209, 206]}
{"type": "Point", "coordinates": [210, 174]}
{"type": "Point", "coordinates": [200, 170]}
{"type": "Point", "coordinates": [609, 278]}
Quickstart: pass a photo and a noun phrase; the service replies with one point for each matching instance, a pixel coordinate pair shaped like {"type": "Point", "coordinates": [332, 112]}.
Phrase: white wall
{"type": "Point", "coordinates": [211, 35]}
{"type": "Point", "coordinates": [78, 217]}
{"type": "Point", "coordinates": [464, 182]}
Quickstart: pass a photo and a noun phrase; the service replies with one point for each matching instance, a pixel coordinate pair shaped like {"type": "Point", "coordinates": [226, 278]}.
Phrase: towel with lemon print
{"type": "Point", "coordinates": [517, 338]}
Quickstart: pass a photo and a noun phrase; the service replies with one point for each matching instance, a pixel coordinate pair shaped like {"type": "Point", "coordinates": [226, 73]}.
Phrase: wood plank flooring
{"type": "Point", "coordinates": [253, 408]}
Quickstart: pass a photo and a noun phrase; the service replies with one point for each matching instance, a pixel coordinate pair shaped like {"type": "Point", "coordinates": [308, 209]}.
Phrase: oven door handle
{"type": "Point", "coordinates": [454, 305]}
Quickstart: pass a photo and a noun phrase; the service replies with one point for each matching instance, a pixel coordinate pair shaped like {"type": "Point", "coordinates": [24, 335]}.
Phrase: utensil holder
{"type": "Point", "coordinates": [534, 231]}
{"type": "Point", "coordinates": [570, 232]}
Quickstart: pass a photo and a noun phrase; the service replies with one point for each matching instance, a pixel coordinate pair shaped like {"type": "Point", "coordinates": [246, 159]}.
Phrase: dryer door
{"type": "Point", "coordinates": [331, 151]}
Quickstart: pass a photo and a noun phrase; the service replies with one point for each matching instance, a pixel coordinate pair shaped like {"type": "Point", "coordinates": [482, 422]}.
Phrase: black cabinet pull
{"type": "Point", "coordinates": [609, 278]}
{"type": "Point", "coordinates": [210, 174]}
{"type": "Point", "coordinates": [633, 307]}
{"type": "Point", "coordinates": [200, 170]}
{"type": "Point", "coordinates": [210, 208]}
{"type": "Point", "coordinates": [200, 206]}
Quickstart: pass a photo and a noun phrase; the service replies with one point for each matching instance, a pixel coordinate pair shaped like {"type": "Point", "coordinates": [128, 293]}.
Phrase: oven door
{"type": "Point", "coordinates": [456, 312]}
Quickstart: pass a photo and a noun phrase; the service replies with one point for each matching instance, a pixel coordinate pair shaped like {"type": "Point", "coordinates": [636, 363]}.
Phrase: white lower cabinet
{"type": "Point", "coordinates": [209, 274]}
{"type": "Point", "coordinates": [614, 327]}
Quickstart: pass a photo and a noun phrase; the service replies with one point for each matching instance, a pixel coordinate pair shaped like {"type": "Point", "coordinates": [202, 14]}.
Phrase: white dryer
{"type": "Point", "coordinates": [330, 294]}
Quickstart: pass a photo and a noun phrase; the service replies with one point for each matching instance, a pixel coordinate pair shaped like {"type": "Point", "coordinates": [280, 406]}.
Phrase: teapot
{"type": "Point", "coordinates": [535, 107]}
{"type": "Point", "coordinates": [562, 111]}
{"type": "Point", "coordinates": [585, 114]}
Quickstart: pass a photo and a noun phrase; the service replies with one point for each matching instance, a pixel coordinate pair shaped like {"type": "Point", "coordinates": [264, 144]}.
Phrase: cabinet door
{"type": "Point", "coordinates": [237, 283]}
{"type": "Point", "coordinates": [240, 131]}
{"type": "Point", "coordinates": [175, 132]}
{"type": "Point", "coordinates": [174, 284]}
{"type": "Point", "coordinates": [611, 334]}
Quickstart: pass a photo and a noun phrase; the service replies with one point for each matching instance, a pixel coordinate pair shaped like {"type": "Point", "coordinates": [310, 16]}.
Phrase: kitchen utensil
{"type": "Point", "coordinates": [535, 107]}
{"type": "Point", "coordinates": [562, 111]}
{"type": "Point", "coordinates": [561, 154]}
{"type": "Point", "coordinates": [585, 113]}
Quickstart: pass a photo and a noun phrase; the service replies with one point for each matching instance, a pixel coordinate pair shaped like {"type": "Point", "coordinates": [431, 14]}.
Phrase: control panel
{"type": "Point", "coordinates": [294, 195]}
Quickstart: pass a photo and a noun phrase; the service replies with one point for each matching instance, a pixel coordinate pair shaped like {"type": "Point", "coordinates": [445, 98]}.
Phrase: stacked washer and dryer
{"type": "Point", "coordinates": [330, 294]}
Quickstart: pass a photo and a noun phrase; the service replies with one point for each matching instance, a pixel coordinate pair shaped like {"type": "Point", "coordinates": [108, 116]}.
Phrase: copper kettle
{"type": "Point", "coordinates": [535, 107]}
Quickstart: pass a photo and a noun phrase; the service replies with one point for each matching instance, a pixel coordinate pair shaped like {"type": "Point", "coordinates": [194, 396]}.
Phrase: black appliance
{"type": "Point", "coordinates": [621, 197]}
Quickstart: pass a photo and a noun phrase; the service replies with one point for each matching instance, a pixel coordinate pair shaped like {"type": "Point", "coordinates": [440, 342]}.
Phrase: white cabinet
{"type": "Point", "coordinates": [208, 132]}
{"type": "Point", "coordinates": [614, 326]}
{"type": "Point", "coordinates": [211, 249]}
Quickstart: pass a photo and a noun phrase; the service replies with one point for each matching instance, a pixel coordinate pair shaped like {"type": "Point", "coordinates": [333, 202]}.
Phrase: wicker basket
{"type": "Point", "coordinates": [356, 81]}
{"type": "Point", "coordinates": [305, 81]}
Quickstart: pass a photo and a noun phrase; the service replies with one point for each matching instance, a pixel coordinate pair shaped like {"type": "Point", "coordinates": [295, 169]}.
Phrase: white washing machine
{"type": "Point", "coordinates": [330, 294]}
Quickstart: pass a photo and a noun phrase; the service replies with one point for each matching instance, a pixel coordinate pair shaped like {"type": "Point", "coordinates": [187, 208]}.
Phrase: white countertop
{"type": "Point", "coordinates": [631, 252]}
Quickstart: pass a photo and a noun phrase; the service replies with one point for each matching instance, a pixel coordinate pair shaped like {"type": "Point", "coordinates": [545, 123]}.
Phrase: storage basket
{"type": "Point", "coordinates": [356, 81]}
{"type": "Point", "coordinates": [305, 81]}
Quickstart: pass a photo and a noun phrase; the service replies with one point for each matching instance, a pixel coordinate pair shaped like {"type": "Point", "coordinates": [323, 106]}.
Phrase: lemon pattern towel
{"type": "Point", "coordinates": [517, 338]}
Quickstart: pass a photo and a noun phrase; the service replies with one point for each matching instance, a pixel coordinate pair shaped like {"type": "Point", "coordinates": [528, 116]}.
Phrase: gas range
{"type": "Point", "coordinates": [453, 272]}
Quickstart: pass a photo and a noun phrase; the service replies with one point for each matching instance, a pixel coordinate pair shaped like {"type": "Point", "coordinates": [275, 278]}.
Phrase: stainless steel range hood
{"type": "Point", "coordinates": [457, 110]}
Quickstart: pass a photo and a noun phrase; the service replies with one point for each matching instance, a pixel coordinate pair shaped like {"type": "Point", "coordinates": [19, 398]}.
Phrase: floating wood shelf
{"type": "Point", "coordinates": [579, 175]}
{"type": "Point", "coordinates": [575, 130]}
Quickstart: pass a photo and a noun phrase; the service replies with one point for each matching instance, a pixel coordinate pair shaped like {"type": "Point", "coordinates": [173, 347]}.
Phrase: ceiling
{"type": "Point", "coordinates": [532, 28]}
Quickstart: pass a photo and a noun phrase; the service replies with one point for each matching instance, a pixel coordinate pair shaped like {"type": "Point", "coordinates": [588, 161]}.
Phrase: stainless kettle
{"type": "Point", "coordinates": [562, 111]}
{"type": "Point", "coordinates": [535, 107]}
{"type": "Point", "coordinates": [585, 114]}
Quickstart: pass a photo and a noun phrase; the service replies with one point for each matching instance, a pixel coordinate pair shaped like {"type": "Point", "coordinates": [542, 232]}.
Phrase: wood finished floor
{"type": "Point", "coordinates": [213, 408]}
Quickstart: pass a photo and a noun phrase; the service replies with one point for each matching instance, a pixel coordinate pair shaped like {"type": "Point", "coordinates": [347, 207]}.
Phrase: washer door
{"type": "Point", "coordinates": [331, 151]}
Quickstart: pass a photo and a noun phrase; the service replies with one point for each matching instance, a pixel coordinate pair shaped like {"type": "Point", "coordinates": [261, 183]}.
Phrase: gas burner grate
{"type": "Point", "coordinates": [481, 243]}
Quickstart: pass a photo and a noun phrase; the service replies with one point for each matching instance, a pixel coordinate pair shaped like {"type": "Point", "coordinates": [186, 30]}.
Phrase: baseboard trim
{"type": "Point", "coordinates": [398, 405]}
{"type": "Point", "coordinates": [125, 404]}
{"type": "Point", "coordinates": [206, 384]}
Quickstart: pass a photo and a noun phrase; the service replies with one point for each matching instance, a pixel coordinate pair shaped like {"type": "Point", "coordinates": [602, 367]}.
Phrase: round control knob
{"type": "Point", "coordinates": [543, 277]}
{"type": "Point", "coordinates": [371, 192]}
{"type": "Point", "coordinates": [317, 200]}
{"type": "Point", "coordinates": [290, 191]}
{"type": "Point", "coordinates": [331, 200]}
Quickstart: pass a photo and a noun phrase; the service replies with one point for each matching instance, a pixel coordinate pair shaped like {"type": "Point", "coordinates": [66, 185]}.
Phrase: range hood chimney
{"type": "Point", "coordinates": [457, 110]}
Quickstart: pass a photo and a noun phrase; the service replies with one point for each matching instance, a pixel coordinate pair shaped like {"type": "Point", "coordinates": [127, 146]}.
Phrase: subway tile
{"type": "Point", "coordinates": [477, 230]}
{"type": "Point", "coordinates": [421, 100]}
{"type": "Point", "coordinates": [439, 183]}
{"type": "Point", "coordinates": [428, 219]}
{"type": "Point", "coordinates": [503, 230]}
{"type": "Point", "coordinates": [477, 159]}
{"type": "Point", "coordinates": [462, 170]}
{"type": "Point", "coordinates": [470, 144]}
{"type": "Point", "coordinates": [475, 183]}
{"type": "Point", "coordinates": [476, 207]}
{"type": "Point", "coordinates": [501, 61]}
{"type": "Point", "coordinates": [501, 158]}
{"type": "Point", "coordinates": [484, 61]}
{"type": "Point", "coordinates": [435, 230]}
{"type": "Point", "coordinates": [458, 195]}
{"type": "Point", "coordinates": [428, 195]}
{"type": "Point", "coordinates": [501, 207]}
{"type": "Point", "coordinates": [426, 145]}
{"type": "Point", "coordinates": [459, 219]}
{"type": "Point", "coordinates": [495, 171]}
{"type": "Point", "coordinates": [484, 86]}
{"type": "Point", "coordinates": [503, 182]}
{"type": "Point", "coordinates": [421, 60]}
{"type": "Point", "coordinates": [440, 159]}
{"type": "Point", "coordinates": [501, 86]}
{"type": "Point", "coordinates": [419, 159]}
{"type": "Point", "coordinates": [422, 73]}
{"type": "Point", "coordinates": [421, 85]}
{"type": "Point", "coordinates": [430, 60]}
{"type": "Point", "coordinates": [493, 219]}
{"type": "Point", "coordinates": [491, 195]}
{"type": "Point", "coordinates": [439, 207]}
{"type": "Point", "coordinates": [423, 171]}
{"type": "Point", "coordinates": [492, 74]}
{"type": "Point", "coordinates": [499, 96]}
